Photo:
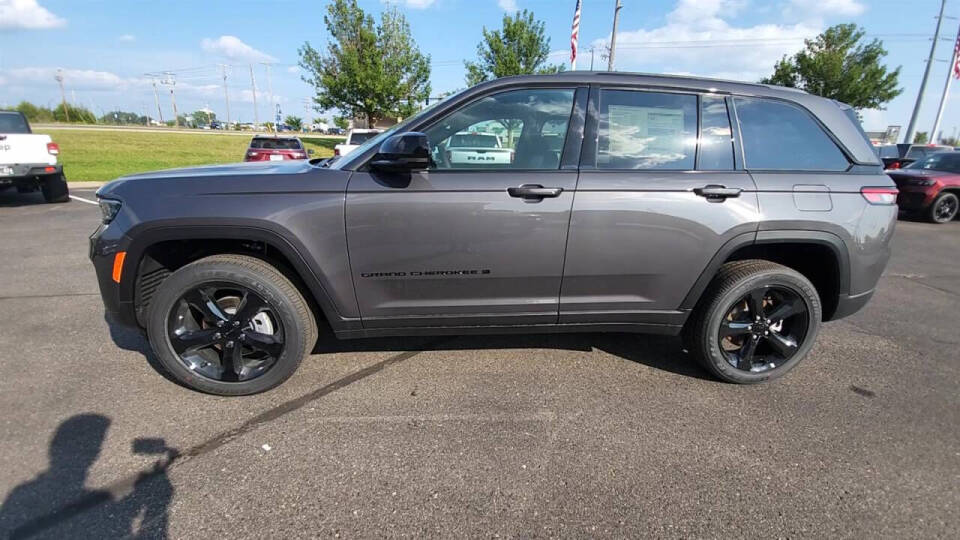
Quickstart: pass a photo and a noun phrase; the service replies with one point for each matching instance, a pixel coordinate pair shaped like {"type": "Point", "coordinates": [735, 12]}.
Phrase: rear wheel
{"type": "Point", "coordinates": [230, 325]}
{"type": "Point", "coordinates": [756, 322]}
{"type": "Point", "coordinates": [944, 208]}
{"type": "Point", "coordinates": [54, 188]}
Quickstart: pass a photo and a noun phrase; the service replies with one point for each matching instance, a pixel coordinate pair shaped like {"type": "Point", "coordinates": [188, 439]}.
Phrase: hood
{"type": "Point", "coordinates": [253, 169]}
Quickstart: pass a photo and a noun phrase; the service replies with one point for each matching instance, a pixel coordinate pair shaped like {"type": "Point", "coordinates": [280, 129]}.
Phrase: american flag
{"type": "Point", "coordinates": [575, 35]}
{"type": "Point", "coordinates": [956, 57]}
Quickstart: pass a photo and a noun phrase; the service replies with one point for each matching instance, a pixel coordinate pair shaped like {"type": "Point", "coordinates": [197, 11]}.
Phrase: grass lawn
{"type": "Point", "coordinates": [101, 155]}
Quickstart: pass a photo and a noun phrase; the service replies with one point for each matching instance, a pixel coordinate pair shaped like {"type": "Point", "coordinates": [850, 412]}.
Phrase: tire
{"type": "Point", "coordinates": [730, 294]}
{"type": "Point", "coordinates": [944, 208]}
{"type": "Point", "coordinates": [54, 188]}
{"type": "Point", "coordinates": [283, 304]}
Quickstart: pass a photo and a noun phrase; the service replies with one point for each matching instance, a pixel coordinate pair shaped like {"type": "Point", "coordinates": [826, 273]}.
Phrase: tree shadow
{"type": "Point", "coordinates": [57, 503]}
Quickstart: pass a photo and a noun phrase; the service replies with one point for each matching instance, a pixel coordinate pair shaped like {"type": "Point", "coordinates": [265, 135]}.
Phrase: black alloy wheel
{"type": "Point", "coordinates": [763, 329]}
{"type": "Point", "coordinates": [225, 332]}
{"type": "Point", "coordinates": [945, 208]}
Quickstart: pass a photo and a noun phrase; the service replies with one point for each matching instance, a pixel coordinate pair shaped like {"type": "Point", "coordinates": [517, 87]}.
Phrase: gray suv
{"type": "Point", "coordinates": [738, 216]}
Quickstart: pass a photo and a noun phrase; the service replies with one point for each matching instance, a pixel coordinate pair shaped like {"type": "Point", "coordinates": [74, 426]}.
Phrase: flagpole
{"type": "Point", "coordinates": [575, 37]}
{"type": "Point", "coordinates": [946, 89]}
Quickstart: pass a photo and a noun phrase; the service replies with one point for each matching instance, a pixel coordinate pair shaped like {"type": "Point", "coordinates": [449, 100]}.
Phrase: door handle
{"type": "Point", "coordinates": [534, 191]}
{"type": "Point", "coordinates": [717, 193]}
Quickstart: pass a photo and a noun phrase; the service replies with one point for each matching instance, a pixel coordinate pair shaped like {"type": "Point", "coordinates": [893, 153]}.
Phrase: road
{"type": "Point", "coordinates": [520, 436]}
{"type": "Point", "coordinates": [144, 129]}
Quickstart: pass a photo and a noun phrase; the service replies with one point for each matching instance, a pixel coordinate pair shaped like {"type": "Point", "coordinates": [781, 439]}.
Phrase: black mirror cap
{"type": "Point", "coordinates": [404, 152]}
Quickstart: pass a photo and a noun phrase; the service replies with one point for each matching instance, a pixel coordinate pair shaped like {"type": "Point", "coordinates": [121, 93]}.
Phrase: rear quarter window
{"type": "Point", "coordinates": [780, 136]}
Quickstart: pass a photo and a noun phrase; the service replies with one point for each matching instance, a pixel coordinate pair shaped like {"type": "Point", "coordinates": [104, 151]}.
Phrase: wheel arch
{"type": "Point", "coordinates": [822, 257]}
{"type": "Point", "coordinates": [158, 248]}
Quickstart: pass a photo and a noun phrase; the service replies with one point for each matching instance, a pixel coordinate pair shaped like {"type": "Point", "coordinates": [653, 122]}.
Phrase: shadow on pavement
{"type": "Point", "coordinates": [9, 198]}
{"type": "Point", "coordinates": [57, 503]}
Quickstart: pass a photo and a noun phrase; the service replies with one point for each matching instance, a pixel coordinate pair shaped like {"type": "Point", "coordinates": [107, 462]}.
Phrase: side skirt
{"type": "Point", "coordinates": [636, 328]}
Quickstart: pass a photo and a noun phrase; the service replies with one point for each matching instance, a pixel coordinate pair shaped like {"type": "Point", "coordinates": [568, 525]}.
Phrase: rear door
{"type": "Point", "coordinates": [470, 243]}
{"type": "Point", "coordinates": [660, 192]}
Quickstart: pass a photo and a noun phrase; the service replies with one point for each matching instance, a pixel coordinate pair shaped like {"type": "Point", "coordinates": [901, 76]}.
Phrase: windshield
{"type": "Point", "coordinates": [275, 144]}
{"type": "Point", "coordinates": [13, 122]}
{"type": "Point", "coordinates": [943, 161]}
{"type": "Point", "coordinates": [336, 163]}
{"type": "Point", "coordinates": [889, 151]}
{"type": "Point", "coordinates": [917, 152]}
{"type": "Point", "coordinates": [360, 138]}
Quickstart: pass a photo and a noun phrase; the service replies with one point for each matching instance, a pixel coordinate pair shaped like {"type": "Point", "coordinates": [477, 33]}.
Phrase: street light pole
{"type": "Point", "coordinates": [613, 36]}
{"type": "Point", "coordinates": [912, 127]}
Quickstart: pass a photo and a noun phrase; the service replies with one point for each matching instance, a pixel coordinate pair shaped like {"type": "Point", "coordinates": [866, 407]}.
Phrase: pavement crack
{"type": "Point", "coordinates": [105, 494]}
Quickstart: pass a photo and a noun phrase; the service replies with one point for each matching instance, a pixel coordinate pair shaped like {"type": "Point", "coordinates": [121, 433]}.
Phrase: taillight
{"type": "Point", "coordinates": [880, 195]}
{"type": "Point", "coordinates": [336, 151]}
{"type": "Point", "coordinates": [252, 154]}
{"type": "Point", "coordinates": [894, 165]}
{"type": "Point", "coordinates": [53, 148]}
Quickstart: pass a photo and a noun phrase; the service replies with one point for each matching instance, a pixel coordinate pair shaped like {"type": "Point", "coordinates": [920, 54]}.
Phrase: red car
{"type": "Point", "coordinates": [268, 148]}
{"type": "Point", "coordinates": [930, 186]}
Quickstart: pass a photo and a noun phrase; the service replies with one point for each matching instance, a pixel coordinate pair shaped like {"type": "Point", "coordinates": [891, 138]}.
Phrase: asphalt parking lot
{"type": "Point", "coordinates": [519, 436]}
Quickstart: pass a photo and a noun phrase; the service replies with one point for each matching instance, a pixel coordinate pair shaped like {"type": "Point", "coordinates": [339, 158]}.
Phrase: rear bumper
{"type": "Point", "coordinates": [849, 304]}
{"type": "Point", "coordinates": [915, 197]}
{"type": "Point", "coordinates": [28, 171]}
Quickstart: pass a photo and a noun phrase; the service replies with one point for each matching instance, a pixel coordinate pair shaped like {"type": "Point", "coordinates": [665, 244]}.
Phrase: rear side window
{"type": "Point", "coordinates": [360, 138]}
{"type": "Point", "coordinates": [276, 144]}
{"type": "Point", "coordinates": [13, 123]}
{"type": "Point", "coordinates": [716, 137]}
{"type": "Point", "coordinates": [647, 130]}
{"type": "Point", "coordinates": [778, 136]}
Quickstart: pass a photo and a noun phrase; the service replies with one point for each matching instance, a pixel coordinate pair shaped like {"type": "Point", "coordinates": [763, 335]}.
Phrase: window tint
{"type": "Point", "coordinates": [917, 152]}
{"type": "Point", "coordinates": [13, 123]}
{"type": "Point", "coordinates": [716, 137]}
{"type": "Point", "coordinates": [275, 144]}
{"type": "Point", "coordinates": [646, 130]}
{"type": "Point", "coordinates": [509, 130]}
{"type": "Point", "coordinates": [942, 161]}
{"type": "Point", "coordinates": [888, 151]}
{"type": "Point", "coordinates": [778, 136]}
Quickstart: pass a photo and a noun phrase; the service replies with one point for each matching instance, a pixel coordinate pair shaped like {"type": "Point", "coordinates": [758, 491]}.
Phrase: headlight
{"type": "Point", "coordinates": [109, 208]}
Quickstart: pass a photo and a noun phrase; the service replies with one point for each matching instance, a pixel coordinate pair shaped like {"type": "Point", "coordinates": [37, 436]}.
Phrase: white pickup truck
{"type": "Point", "coordinates": [29, 161]}
{"type": "Point", "coordinates": [472, 149]}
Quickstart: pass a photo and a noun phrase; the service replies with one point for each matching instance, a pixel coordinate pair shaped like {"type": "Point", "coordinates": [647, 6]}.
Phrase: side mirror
{"type": "Point", "coordinates": [405, 152]}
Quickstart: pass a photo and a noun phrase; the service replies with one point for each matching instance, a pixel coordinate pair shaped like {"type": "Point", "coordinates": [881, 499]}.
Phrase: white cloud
{"type": "Point", "coordinates": [295, 70]}
{"type": "Point", "coordinates": [412, 4]}
{"type": "Point", "coordinates": [263, 97]}
{"type": "Point", "coordinates": [695, 39]}
{"type": "Point", "coordinates": [233, 48]}
{"type": "Point", "coordinates": [28, 15]}
{"type": "Point", "coordinates": [76, 79]}
{"type": "Point", "coordinates": [510, 6]}
{"type": "Point", "coordinates": [127, 38]}
{"type": "Point", "coordinates": [807, 8]}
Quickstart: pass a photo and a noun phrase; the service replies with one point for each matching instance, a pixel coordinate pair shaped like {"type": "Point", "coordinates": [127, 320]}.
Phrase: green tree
{"type": "Point", "coordinates": [519, 48]}
{"type": "Point", "coordinates": [203, 117]}
{"type": "Point", "coordinates": [295, 122]}
{"type": "Point", "coordinates": [34, 113]}
{"type": "Point", "coordinates": [836, 65]}
{"type": "Point", "coordinates": [341, 122]}
{"type": "Point", "coordinates": [950, 141]}
{"type": "Point", "coordinates": [77, 113]}
{"type": "Point", "coordinates": [921, 137]}
{"type": "Point", "coordinates": [122, 117]}
{"type": "Point", "coordinates": [367, 71]}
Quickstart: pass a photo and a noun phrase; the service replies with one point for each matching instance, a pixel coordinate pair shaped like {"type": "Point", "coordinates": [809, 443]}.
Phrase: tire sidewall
{"type": "Point", "coordinates": [719, 308]}
{"type": "Point", "coordinates": [190, 276]}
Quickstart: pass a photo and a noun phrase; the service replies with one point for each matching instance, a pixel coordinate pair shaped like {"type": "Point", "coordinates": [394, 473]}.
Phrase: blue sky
{"type": "Point", "coordinates": [106, 46]}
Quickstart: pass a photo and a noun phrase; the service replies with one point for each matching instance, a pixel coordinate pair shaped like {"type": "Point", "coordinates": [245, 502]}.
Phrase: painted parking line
{"type": "Point", "coordinates": [81, 199]}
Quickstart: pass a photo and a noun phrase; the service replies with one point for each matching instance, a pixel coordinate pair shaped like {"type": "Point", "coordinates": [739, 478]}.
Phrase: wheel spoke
{"type": "Point", "coordinates": [786, 309]}
{"type": "Point", "coordinates": [201, 298]}
{"type": "Point", "coordinates": [755, 302]}
{"type": "Point", "coordinates": [784, 345]}
{"type": "Point", "coordinates": [733, 328]}
{"type": "Point", "coordinates": [191, 341]}
{"type": "Point", "coordinates": [250, 305]}
{"type": "Point", "coordinates": [745, 361]}
{"type": "Point", "coordinates": [272, 345]}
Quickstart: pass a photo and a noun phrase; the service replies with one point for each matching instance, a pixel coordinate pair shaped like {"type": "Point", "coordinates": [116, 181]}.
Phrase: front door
{"type": "Point", "coordinates": [478, 239]}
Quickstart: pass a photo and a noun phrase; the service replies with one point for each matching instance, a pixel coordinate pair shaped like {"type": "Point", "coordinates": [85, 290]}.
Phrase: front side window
{"type": "Point", "coordinates": [518, 129]}
{"type": "Point", "coordinates": [646, 130]}
{"type": "Point", "coordinates": [778, 136]}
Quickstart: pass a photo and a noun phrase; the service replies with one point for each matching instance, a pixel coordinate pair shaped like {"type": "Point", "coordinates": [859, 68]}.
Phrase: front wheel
{"type": "Point", "coordinates": [944, 208]}
{"type": "Point", "coordinates": [757, 321]}
{"type": "Point", "coordinates": [230, 325]}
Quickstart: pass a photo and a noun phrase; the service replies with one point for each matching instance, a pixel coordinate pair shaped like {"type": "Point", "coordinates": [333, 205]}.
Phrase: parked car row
{"type": "Point", "coordinates": [927, 177]}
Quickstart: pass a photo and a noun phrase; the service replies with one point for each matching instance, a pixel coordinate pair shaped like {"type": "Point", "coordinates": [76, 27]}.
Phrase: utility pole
{"type": "Point", "coordinates": [613, 36]}
{"type": "Point", "coordinates": [156, 98]}
{"type": "Point", "coordinates": [592, 49]}
{"type": "Point", "coordinates": [172, 82]}
{"type": "Point", "coordinates": [306, 111]}
{"type": "Point", "coordinates": [226, 94]}
{"type": "Point", "coordinates": [63, 95]}
{"type": "Point", "coordinates": [912, 127]}
{"type": "Point", "coordinates": [253, 86]}
{"type": "Point", "coordinates": [946, 86]}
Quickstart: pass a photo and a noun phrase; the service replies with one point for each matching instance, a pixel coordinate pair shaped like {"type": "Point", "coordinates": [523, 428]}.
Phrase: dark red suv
{"type": "Point", "coordinates": [930, 186]}
{"type": "Point", "coordinates": [269, 148]}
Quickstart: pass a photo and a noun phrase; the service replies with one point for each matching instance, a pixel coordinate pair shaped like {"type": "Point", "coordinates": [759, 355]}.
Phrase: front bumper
{"type": "Point", "coordinates": [104, 246]}
{"type": "Point", "coordinates": [849, 304]}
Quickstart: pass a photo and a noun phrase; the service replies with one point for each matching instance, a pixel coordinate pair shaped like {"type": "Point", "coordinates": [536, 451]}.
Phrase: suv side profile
{"type": "Point", "coordinates": [738, 216]}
